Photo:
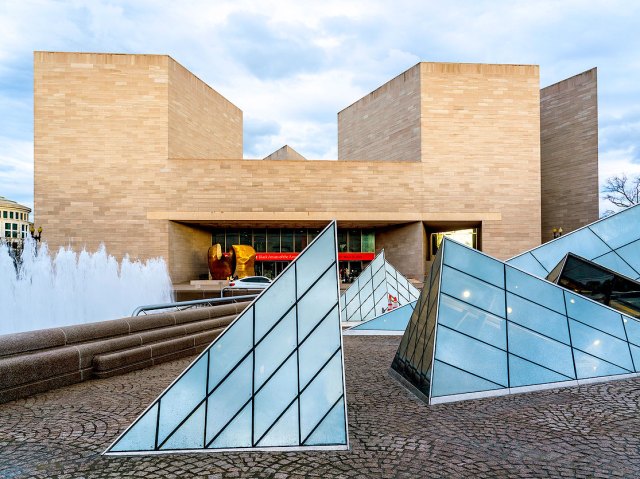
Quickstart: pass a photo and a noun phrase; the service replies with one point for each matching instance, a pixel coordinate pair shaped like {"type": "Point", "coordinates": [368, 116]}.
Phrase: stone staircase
{"type": "Point", "coordinates": [36, 361]}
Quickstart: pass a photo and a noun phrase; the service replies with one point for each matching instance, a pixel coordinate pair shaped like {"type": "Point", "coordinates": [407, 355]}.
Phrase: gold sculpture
{"type": "Point", "coordinates": [245, 257]}
{"type": "Point", "coordinates": [239, 261]}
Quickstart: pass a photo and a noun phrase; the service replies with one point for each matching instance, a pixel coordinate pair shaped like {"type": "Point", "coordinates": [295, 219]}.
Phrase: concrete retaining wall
{"type": "Point", "coordinates": [36, 361]}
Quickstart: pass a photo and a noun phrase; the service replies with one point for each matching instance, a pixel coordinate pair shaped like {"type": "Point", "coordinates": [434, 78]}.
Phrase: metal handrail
{"type": "Point", "coordinates": [182, 305]}
{"type": "Point", "coordinates": [235, 288]}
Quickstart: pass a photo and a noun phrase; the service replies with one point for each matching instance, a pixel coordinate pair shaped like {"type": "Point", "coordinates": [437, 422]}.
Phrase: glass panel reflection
{"type": "Point", "coordinates": [526, 373]}
{"type": "Point", "coordinates": [470, 355]}
{"type": "Point", "coordinates": [591, 367]}
{"type": "Point", "coordinates": [581, 242]}
{"type": "Point", "coordinates": [538, 318]}
{"type": "Point", "coordinates": [473, 291]}
{"type": "Point", "coordinates": [534, 289]}
{"type": "Point", "coordinates": [601, 345]}
{"type": "Point", "coordinates": [619, 229]}
{"type": "Point", "coordinates": [473, 321]}
{"type": "Point", "coordinates": [469, 261]}
{"type": "Point", "coordinates": [528, 263]}
{"type": "Point", "coordinates": [541, 350]}
{"type": "Point", "coordinates": [449, 380]}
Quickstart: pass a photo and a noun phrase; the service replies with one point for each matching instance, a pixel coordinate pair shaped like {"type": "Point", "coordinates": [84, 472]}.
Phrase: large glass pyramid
{"type": "Point", "coordinates": [273, 379]}
{"type": "Point", "coordinates": [485, 328]}
{"type": "Point", "coordinates": [613, 242]}
{"type": "Point", "coordinates": [368, 296]}
{"type": "Point", "coordinates": [391, 323]}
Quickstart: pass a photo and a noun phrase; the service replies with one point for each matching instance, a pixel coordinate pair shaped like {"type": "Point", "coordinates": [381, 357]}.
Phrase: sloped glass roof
{"type": "Point", "coordinates": [368, 296]}
{"type": "Point", "coordinates": [390, 323]}
{"type": "Point", "coordinates": [486, 328]}
{"type": "Point", "coordinates": [613, 242]}
{"type": "Point", "coordinates": [273, 379]}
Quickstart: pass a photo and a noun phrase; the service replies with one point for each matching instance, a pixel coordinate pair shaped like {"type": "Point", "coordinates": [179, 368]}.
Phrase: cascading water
{"type": "Point", "coordinates": [74, 288]}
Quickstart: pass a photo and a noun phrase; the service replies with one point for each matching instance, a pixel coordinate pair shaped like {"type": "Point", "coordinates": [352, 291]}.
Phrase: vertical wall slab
{"type": "Point", "coordinates": [368, 296]}
{"type": "Point", "coordinates": [613, 242]}
{"type": "Point", "coordinates": [273, 379]}
{"type": "Point", "coordinates": [569, 153]}
{"type": "Point", "coordinates": [493, 329]}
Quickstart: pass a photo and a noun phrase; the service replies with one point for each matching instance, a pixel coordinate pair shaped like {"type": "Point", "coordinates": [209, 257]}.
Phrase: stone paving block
{"type": "Point", "coordinates": [582, 431]}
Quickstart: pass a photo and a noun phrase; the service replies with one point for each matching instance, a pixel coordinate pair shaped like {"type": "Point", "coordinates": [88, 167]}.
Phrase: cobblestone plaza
{"type": "Point", "coordinates": [586, 431]}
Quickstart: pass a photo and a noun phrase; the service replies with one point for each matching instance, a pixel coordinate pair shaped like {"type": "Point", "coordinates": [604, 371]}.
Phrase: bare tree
{"type": "Point", "coordinates": [622, 191]}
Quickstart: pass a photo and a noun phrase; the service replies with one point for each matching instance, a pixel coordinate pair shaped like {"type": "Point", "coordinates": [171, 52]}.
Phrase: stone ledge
{"type": "Point", "coordinates": [37, 361]}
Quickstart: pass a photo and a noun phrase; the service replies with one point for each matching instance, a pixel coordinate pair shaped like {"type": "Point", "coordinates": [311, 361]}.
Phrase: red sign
{"type": "Point", "coordinates": [292, 256]}
{"type": "Point", "coordinates": [276, 256]}
{"type": "Point", "coordinates": [356, 256]}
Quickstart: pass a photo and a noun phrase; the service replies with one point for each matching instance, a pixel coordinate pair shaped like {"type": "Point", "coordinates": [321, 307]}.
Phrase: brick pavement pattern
{"type": "Point", "coordinates": [587, 431]}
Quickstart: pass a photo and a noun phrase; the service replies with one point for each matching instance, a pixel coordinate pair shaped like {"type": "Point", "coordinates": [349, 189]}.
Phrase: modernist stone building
{"type": "Point", "coordinates": [137, 152]}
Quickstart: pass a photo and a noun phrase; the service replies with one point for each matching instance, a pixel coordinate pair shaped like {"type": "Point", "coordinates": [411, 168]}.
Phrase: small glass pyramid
{"type": "Point", "coordinates": [274, 379]}
{"type": "Point", "coordinates": [612, 242]}
{"type": "Point", "coordinates": [378, 284]}
{"type": "Point", "coordinates": [485, 328]}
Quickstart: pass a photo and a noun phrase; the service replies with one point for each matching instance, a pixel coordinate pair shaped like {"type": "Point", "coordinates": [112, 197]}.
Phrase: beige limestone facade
{"type": "Point", "coordinates": [137, 152]}
{"type": "Point", "coordinates": [569, 153]}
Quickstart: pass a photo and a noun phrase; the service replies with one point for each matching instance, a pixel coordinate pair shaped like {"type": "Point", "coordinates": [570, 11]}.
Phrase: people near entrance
{"type": "Point", "coordinates": [344, 275]}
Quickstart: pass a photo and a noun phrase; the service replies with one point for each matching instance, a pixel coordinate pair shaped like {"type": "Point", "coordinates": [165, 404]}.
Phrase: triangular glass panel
{"type": "Point", "coordinates": [326, 431]}
{"type": "Point", "coordinates": [526, 373]}
{"type": "Point", "coordinates": [588, 366]}
{"type": "Point", "coordinates": [272, 379]}
{"type": "Point", "coordinates": [378, 286]}
{"type": "Point", "coordinates": [616, 232]}
{"type": "Point", "coordinates": [449, 380]}
{"type": "Point", "coordinates": [485, 327]}
{"type": "Point", "coordinates": [391, 322]}
{"type": "Point", "coordinates": [237, 433]}
{"type": "Point", "coordinates": [190, 435]}
{"type": "Point", "coordinates": [631, 254]}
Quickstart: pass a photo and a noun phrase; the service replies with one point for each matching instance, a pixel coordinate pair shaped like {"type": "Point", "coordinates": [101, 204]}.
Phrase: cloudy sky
{"type": "Point", "coordinates": [291, 65]}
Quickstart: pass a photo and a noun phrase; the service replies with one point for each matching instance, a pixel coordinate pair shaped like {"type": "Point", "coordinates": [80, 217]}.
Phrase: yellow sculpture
{"type": "Point", "coordinates": [245, 257]}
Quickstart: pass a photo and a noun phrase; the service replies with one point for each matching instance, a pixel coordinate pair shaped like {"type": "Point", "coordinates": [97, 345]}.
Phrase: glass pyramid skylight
{"type": "Point", "coordinates": [273, 379]}
{"type": "Point", "coordinates": [392, 322]}
{"type": "Point", "coordinates": [368, 296]}
{"type": "Point", "coordinates": [485, 328]}
{"type": "Point", "coordinates": [613, 242]}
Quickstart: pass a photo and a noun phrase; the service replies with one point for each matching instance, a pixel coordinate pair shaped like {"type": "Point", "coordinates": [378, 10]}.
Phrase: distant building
{"type": "Point", "coordinates": [14, 221]}
{"type": "Point", "coordinates": [137, 152]}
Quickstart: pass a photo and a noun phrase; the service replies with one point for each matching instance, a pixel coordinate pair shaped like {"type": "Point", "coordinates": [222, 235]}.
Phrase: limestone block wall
{"type": "Point", "coordinates": [385, 124]}
{"type": "Point", "coordinates": [104, 128]}
{"type": "Point", "coordinates": [569, 152]}
{"type": "Point", "coordinates": [202, 123]}
{"type": "Point", "coordinates": [405, 248]}
{"type": "Point", "coordinates": [188, 247]}
{"type": "Point", "coordinates": [118, 156]}
{"type": "Point", "coordinates": [100, 134]}
{"type": "Point", "coordinates": [480, 133]}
